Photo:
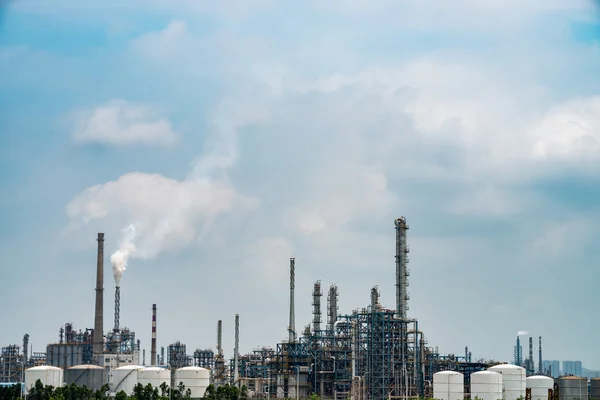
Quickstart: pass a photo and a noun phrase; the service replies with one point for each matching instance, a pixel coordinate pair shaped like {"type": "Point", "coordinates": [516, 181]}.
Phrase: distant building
{"type": "Point", "coordinates": [553, 366]}
{"type": "Point", "coordinates": [572, 368]}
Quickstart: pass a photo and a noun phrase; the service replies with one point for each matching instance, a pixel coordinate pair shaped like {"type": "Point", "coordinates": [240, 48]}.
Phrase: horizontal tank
{"type": "Point", "coordinates": [90, 376]}
{"type": "Point", "coordinates": [124, 378]}
{"type": "Point", "coordinates": [572, 387]}
{"type": "Point", "coordinates": [48, 375]}
{"type": "Point", "coordinates": [154, 376]}
{"type": "Point", "coordinates": [487, 385]}
{"type": "Point", "coordinates": [513, 380]}
{"type": "Point", "coordinates": [539, 385]}
{"type": "Point", "coordinates": [194, 378]}
{"type": "Point", "coordinates": [448, 385]}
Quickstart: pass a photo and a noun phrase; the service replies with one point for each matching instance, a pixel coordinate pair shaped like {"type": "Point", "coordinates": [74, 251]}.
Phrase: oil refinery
{"type": "Point", "coordinates": [371, 353]}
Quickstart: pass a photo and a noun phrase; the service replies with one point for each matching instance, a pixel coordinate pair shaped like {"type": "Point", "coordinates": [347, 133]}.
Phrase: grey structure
{"type": "Point", "coordinates": [572, 387]}
{"type": "Point", "coordinates": [98, 340]}
{"type": "Point", "coordinates": [90, 376]}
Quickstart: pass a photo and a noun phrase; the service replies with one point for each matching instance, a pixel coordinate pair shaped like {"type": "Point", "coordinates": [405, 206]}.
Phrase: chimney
{"type": "Point", "coordinates": [292, 325]}
{"type": "Point", "coordinates": [117, 308]}
{"type": "Point", "coordinates": [236, 351]}
{"type": "Point", "coordinates": [219, 338]}
{"type": "Point", "coordinates": [153, 345]}
{"type": "Point", "coordinates": [98, 340]}
{"type": "Point", "coordinates": [531, 352]}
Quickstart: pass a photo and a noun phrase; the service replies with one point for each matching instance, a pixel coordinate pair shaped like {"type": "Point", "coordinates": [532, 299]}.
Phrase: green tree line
{"type": "Point", "coordinates": [73, 392]}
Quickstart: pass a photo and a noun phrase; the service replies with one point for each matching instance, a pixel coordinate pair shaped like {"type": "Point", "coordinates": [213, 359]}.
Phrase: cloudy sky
{"type": "Point", "coordinates": [233, 136]}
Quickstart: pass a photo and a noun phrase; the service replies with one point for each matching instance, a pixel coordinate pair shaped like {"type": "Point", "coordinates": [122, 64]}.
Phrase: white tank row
{"type": "Point", "coordinates": [504, 381]}
{"type": "Point", "coordinates": [123, 378]}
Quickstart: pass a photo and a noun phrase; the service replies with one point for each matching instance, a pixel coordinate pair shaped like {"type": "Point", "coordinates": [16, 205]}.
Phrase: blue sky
{"type": "Point", "coordinates": [234, 136]}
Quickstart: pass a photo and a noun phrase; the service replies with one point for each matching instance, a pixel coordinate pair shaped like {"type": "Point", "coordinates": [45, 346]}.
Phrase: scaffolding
{"type": "Point", "coordinates": [11, 362]}
{"type": "Point", "coordinates": [204, 358]}
{"type": "Point", "coordinates": [177, 356]}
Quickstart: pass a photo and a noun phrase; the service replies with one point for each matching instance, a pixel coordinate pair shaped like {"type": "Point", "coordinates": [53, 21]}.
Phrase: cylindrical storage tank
{"type": "Point", "coordinates": [194, 378]}
{"type": "Point", "coordinates": [513, 380]}
{"type": "Point", "coordinates": [124, 378]}
{"type": "Point", "coordinates": [51, 376]}
{"type": "Point", "coordinates": [487, 385]}
{"type": "Point", "coordinates": [155, 376]}
{"type": "Point", "coordinates": [90, 376]}
{"type": "Point", "coordinates": [572, 387]}
{"type": "Point", "coordinates": [595, 389]}
{"type": "Point", "coordinates": [448, 385]}
{"type": "Point", "coordinates": [539, 385]}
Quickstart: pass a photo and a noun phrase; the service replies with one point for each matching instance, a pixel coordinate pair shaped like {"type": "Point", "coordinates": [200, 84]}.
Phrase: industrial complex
{"type": "Point", "coordinates": [369, 353]}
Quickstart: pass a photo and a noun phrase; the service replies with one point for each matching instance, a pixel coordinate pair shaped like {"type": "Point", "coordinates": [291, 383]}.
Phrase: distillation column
{"type": "Point", "coordinates": [401, 268]}
{"type": "Point", "coordinates": [317, 293]}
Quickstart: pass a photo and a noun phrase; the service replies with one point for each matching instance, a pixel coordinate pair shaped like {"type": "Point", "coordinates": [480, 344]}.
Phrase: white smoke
{"type": "Point", "coordinates": [126, 249]}
{"type": "Point", "coordinates": [522, 333]}
{"type": "Point", "coordinates": [169, 214]}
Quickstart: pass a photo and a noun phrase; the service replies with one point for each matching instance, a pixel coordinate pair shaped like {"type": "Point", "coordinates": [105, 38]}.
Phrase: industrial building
{"type": "Point", "coordinates": [373, 352]}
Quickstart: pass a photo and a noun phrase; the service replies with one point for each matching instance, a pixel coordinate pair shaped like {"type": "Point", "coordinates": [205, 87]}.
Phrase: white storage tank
{"type": "Point", "coordinates": [539, 385]}
{"type": "Point", "coordinates": [448, 385]}
{"type": "Point", "coordinates": [48, 375]}
{"type": "Point", "coordinates": [90, 376]}
{"type": "Point", "coordinates": [155, 376]}
{"type": "Point", "coordinates": [124, 378]}
{"type": "Point", "coordinates": [194, 378]}
{"type": "Point", "coordinates": [487, 385]}
{"type": "Point", "coordinates": [513, 380]}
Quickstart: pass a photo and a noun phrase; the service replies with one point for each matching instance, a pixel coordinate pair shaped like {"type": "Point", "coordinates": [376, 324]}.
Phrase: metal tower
{"type": "Point", "coordinates": [518, 353]}
{"type": "Point", "coordinates": [117, 307]}
{"type": "Point", "coordinates": [292, 325]}
{"type": "Point", "coordinates": [402, 272]}
{"type": "Point", "coordinates": [332, 308]}
{"type": "Point", "coordinates": [375, 297]}
{"type": "Point", "coordinates": [317, 293]}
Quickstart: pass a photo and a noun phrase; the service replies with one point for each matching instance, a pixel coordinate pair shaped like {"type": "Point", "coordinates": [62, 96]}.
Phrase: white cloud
{"type": "Point", "coordinates": [570, 131]}
{"type": "Point", "coordinates": [120, 123]}
{"type": "Point", "coordinates": [168, 214]}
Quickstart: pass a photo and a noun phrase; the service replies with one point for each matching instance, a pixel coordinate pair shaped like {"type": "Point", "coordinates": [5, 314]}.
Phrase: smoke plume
{"type": "Point", "coordinates": [126, 249]}
{"type": "Point", "coordinates": [522, 333]}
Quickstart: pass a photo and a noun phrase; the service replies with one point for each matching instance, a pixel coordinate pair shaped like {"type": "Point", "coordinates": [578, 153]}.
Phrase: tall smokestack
{"type": "Point", "coordinates": [531, 352]}
{"type": "Point", "coordinates": [292, 325]}
{"type": "Point", "coordinates": [98, 339]}
{"type": "Point", "coordinates": [153, 344]}
{"type": "Point", "coordinates": [236, 350]}
{"type": "Point", "coordinates": [401, 267]}
{"type": "Point", "coordinates": [540, 366]}
{"type": "Point", "coordinates": [219, 338]}
{"type": "Point", "coordinates": [117, 307]}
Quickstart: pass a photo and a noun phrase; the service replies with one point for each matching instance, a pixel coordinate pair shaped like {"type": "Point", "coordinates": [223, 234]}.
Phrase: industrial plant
{"type": "Point", "coordinates": [371, 353]}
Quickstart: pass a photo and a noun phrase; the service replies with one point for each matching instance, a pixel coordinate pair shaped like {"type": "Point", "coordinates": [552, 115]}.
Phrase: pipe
{"type": "Point", "coordinates": [153, 344]}
{"type": "Point", "coordinates": [98, 339]}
